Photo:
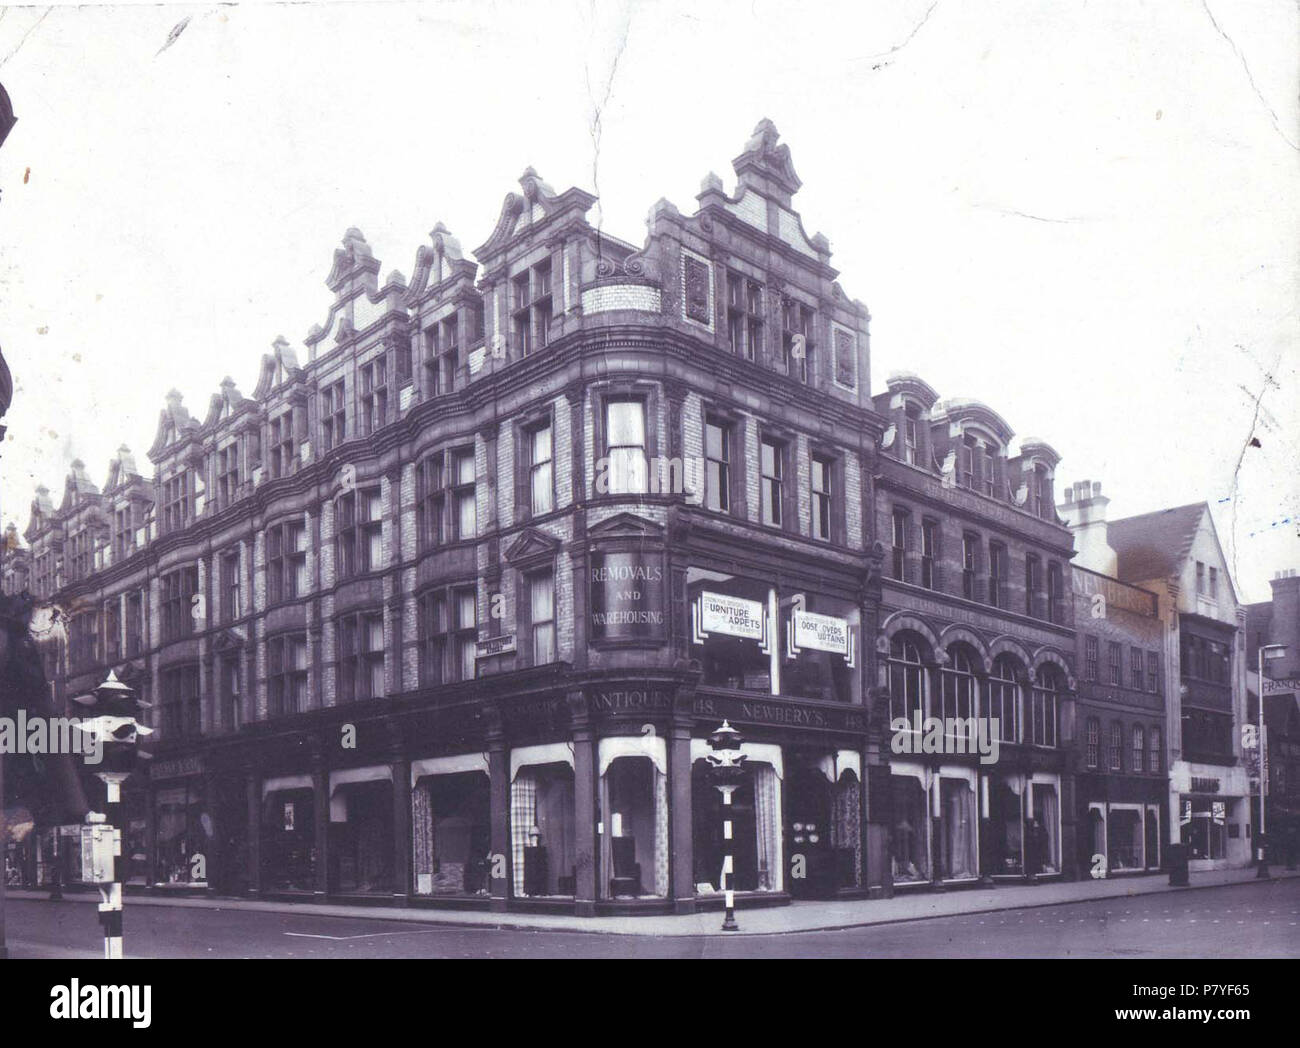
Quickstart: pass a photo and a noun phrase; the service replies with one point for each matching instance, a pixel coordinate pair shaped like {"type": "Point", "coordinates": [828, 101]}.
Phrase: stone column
{"type": "Point", "coordinates": [320, 780]}
{"type": "Point", "coordinates": [500, 858]}
{"type": "Point", "coordinates": [253, 786]}
{"type": "Point", "coordinates": [401, 830]}
{"type": "Point", "coordinates": [586, 858]}
{"type": "Point", "coordinates": [681, 838]}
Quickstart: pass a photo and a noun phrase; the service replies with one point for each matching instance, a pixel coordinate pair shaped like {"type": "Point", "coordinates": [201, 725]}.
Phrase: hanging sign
{"type": "Point", "coordinates": [734, 616]}
{"type": "Point", "coordinates": [826, 633]}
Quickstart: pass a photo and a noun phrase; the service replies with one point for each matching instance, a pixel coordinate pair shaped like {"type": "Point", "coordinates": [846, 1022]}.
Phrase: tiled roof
{"type": "Point", "coordinates": [1154, 545]}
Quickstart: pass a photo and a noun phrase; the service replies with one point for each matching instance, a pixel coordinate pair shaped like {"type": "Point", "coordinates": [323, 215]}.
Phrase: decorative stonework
{"type": "Point", "coordinates": [697, 289]}
{"type": "Point", "coordinates": [845, 363]}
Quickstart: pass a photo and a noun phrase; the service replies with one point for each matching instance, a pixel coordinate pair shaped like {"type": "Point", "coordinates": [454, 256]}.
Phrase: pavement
{"type": "Point", "coordinates": [798, 917]}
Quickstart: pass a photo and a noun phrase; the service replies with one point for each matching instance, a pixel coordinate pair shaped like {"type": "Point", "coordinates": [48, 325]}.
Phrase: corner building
{"type": "Point", "coordinates": [444, 611]}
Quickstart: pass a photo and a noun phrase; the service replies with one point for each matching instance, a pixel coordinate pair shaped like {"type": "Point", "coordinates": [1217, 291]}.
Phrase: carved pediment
{"type": "Point", "coordinates": [532, 544]}
{"type": "Point", "coordinates": [229, 640]}
{"type": "Point", "coordinates": [626, 525]}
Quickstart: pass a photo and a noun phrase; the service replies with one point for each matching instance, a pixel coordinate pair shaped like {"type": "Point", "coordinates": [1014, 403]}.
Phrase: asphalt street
{"type": "Point", "coordinates": [1244, 920]}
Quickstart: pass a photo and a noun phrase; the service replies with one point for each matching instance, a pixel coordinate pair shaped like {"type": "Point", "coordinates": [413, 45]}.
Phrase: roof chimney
{"type": "Point", "coordinates": [1084, 509]}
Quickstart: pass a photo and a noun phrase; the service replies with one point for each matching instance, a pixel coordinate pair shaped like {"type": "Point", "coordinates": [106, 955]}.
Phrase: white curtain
{"type": "Point", "coordinates": [661, 833]}
{"type": "Point", "coordinates": [767, 821]}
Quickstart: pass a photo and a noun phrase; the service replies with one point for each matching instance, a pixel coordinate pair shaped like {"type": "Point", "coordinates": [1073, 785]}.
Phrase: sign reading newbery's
{"type": "Point", "coordinates": [734, 616]}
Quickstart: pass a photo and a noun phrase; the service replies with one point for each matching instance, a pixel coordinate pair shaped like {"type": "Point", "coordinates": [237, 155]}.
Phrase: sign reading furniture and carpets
{"type": "Point", "coordinates": [733, 616]}
{"type": "Point", "coordinates": [627, 596]}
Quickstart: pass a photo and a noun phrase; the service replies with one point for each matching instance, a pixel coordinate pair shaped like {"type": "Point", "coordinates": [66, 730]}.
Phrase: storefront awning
{"type": "Point", "coordinates": [651, 746]}
{"type": "Point", "coordinates": [461, 762]}
{"type": "Point", "coordinates": [755, 752]}
{"type": "Point", "coordinates": [547, 753]}
{"type": "Point", "coordinates": [375, 773]}
{"type": "Point", "coordinates": [285, 782]}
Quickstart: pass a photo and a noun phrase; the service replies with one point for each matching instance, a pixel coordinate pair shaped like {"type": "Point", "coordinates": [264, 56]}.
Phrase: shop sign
{"type": "Point", "coordinates": [820, 633]}
{"type": "Point", "coordinates": [176, 768]}
{"type": "Point", "coordinates": [733, 616]}
{"type": "Point", "coordinates": [774, 711]}
{"type": "Point", "coordinates": [1219, 812]}
{"type": "Point", "coordinates": [626, 596]}
{"type": "Point", "coordinates": [631, 699]}
{"type": "Point", "coordinates": [503, 645]}
{"type": "Point", "coordinates": [1200, 785]}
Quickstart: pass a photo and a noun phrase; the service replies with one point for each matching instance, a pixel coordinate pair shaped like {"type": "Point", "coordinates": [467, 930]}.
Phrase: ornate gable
{"type": "Point", "coordinates": [223, 405]}
{"type": "Point", "coordinates": [439, 263]}
{"type": "Point", "coordinates": [538, 205]}
{"type": "Point", "coordinates": [175, 426]}
{"type": "Point", "coordinates": [279, 367]}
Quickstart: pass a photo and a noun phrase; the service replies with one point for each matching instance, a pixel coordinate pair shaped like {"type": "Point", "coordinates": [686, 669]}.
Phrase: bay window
{"type": "Point", "coordinates": [286, 669]}
{"type": "Point", "coordinates": [430, 502]}
{"type": "Point", "coordinates": [625, 445]}
{"type": "Point", "coordinates": [361, 656]}
{"type": "Point", "coordinates": [464, 494]}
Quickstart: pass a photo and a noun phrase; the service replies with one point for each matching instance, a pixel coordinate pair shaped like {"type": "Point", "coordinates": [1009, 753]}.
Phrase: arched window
{"type": "Point", "coordinates": [906, 678]}
{"type": "Point", "coordinates": [1116, 746]}
{"type": "Point", "coordinates": [1044, 700]}
{"type": "Point", "coordinates": [1004, 697]}
{"type": "Point", "coordinates": [1139, 747]}
{"type": "Point", "coordinates": [960, 697]}
{"type": "Point", "coordinates": [1093, 752]}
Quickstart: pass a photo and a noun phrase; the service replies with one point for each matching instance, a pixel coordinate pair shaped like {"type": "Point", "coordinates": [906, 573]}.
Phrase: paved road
{"type": "Point", "coordinates": [1246, 920]}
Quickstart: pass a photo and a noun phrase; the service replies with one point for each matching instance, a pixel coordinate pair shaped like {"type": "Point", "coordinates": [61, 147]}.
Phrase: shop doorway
{"type": "Point", "coordinates": [361, 837]}
{"type": "Point", "coordinates": [706, 812]}
{"type": "Point", "coordinates": [811, 860]}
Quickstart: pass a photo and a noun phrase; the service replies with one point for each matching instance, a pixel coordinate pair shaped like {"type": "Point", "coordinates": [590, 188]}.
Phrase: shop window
{"type": "Point", "coordinates": [717, 457]}
{"type": "Point", "coordinates": [361, 837]}
{"type": "Point", "coordinates": [755, 813]}
{"type": "Point", "coordinates": [626, 470]}
{"type": "Point", "coordinates": [1043, 833]}
{"type": "Point", "coordinates": [286, 561]}
{"type": "Point", "coordinates": [1203, 827]}
{"type": "Point", "coordinates": [451, 834]}
{"type": "Point", "coordinates": [911, 849]}
{"type": "Point", "coordinates": [1004, 697]}
{"type": "Point", "coordinates": [179, 836]}
{"type": "Point", "coordinates": [955, 830]}
{"type": "Point", "coordinates": [1006, 819]}
{"type": "Point", "coordinates": [288, 859]}
{"type": "Point", "coordinates": [634, 821]}
{"type": "Point", "coordinates": [333, 414]}
{"type": "Point", "coordinates": [542, 831]}
{"type": "Point", "coordinates": [361, 656]}
{"type": "Point", "coordinates": [906, 679]}
{"type": "Point", "coordinates": [286, 668]}
{"type": "Point", "coordinates": [729, 629]}
{"type": "Point", "coordinates": [820, 648]}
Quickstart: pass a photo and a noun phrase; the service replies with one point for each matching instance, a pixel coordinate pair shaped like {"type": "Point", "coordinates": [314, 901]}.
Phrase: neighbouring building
{"type": "Point", "coordinates": [1120, 767]}
{"type": "Point", "coordinates": [1175, 554]}
{"type": "Point", "coordinates": [444, 609]}
{"type": "Point", "coordinates": [1277, 621]}
{"type": "Point", "coordinates": [977, 621]}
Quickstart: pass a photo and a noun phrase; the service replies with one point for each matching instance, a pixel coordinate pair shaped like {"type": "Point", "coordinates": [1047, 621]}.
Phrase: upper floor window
{"type": "Point", "coordinates": [1154, 754]}
{"type": "Point", "coordinates": [286, 561]}
{"type": "Point", "coordinates": [1033, 585]}
{"type": "Point", "coordinates": [464, 494]}
{"type": "Point", "coordinates": [286, 674]}
{"type": "Point", "coordinates": [988, 470]}
{"type": "Point", "coordinates": [1139, 747]}
{"type": "Point", "coordinates": [772, 481]}
{"type": "Point", "coordinates": [361, 656]}
{"type": "Point", "coordinates": [374, 395]}
{"type": "Point", "coordinates": [448, 635]}
{"type": "Point", "coordinates": [744, 315]}
{"type": "Point", "coordinates": [134, 623]}
{"type": "Point", "coordinates": [1214, 583]}
{"type": "Point", "coordinates": [1055, 594]}
{"type": "Point", "coordinates": [541, 617]}
{"type": "Point", "coordinates": [359, 532]}
{"type": "Point", "coordinates": [112, 630]}
{"type": "Point", "coordinates": [970, 545]}
{"type": "Point", "coordinates": [797, 340]}
{"type": "Point", "coordinates": [959, 691]}
{"type": "Point", "coordinates": [1090, 658]}
{"type": "Point", "coordinates": [442, 342]}
{"type": "Point", "coordinates": [929, 554]}
{"type": "Point", "coordinates": [282, 436]}
{"type": "Point", "coordinates": [997, 575]}
{"type": "Point", "coordinates": [178, 590]}
{"type": "Point", "coordinates": [227, 474]}
{"type": "Point", "coordinates": [180, 701]}
{"type": "Point", "coordinates": [717, 458]}
{"type": "Point", "coordinates": [967, 462]}
{"type": "Point", "coordinates": [1044, 712]}
{"type": "Point", "coordinates": [906, 679]}
{"type": "Point", "coordinates": [1092, 749]}
{"type": "Point", "coordinates": [83, 641]}
{"type": "Point", "coordinates": [1153, 672]}
{"type": "Point", "coordinates": [625, 440]}
{"type": "Point", "coordinates": [911, 435]}
{"type": "Point", "coordinates": [177, 502]}
{"type": "Point", "coordinates": [1116, 747]}
{"type": "Point", "coordinates": [823, 468]}
{"type": "Point", "coordinates": [1040, 495]}
{"type": "Point", "coordinates": [1135, 669]}
{"type": "Point", "coordinates": [541, 470]}
{"type": "Point", "coordinates": [228, 683]}
{"type": "Point", "coordinates": [902, 521]}
{"type": "Point", "coordinates": [1200, 579]}
{"type": "Point", "coordinates": [1004, 698]}
{"type": "Point", "coordinates": [79, 555]}
{"type": "Point", "coordinates": [533, 308]}
{"type": "Point", "coordinates": [1114, 656]}
{"type": "Point", "coordinates": [430, 501]}
{"type": "Point", "coordinates": [333, 415]}
{"type": "Point", "coordinates": [124, 531]}
{"type": "Point", "coordinates": [229, 570]}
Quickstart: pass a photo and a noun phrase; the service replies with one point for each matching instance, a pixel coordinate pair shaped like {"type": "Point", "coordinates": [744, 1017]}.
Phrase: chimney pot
{"type": "Point", "coordinates": [1096, 489]}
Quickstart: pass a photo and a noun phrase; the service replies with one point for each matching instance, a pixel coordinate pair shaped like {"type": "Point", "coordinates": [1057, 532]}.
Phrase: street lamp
{"type": "Point", "coordinates": [727, 770]}
{"type": "Point", "coordinates": [1276, 651]}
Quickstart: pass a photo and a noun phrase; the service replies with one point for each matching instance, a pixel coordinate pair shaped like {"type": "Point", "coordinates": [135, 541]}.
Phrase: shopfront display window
{"type": "Point", "coordinates": [955, 830]}
{"type": "Point", "coordinates": [182, 840]}
{"type": "Point", "coordinates": [289, 840]}
{"type": "Point", "coordinates": [755, 814]}
{"type": "Point", "coordinates": [1125, 838]}
{"type": "Point", "coordinates": [633, 821]}
{"type": "Point", "coordinates": [361, 837]}
{"type": "Point", "coordinates": [730, 632]}
{"type": "Point", "coordinates": [1006, 816]}
{"type": "Point", "coordinates": [819, 637]}
{"type": "Point", "coordinates": [1043, 834]}
{"type": "Point", "coordinates": [451, 834]}
{"type": "Point", "coordinates": [911, 844]}
{"type": "Point", "coordinates": [1203, 828]}
{"type": "Point", "coordinates": [542, 830]}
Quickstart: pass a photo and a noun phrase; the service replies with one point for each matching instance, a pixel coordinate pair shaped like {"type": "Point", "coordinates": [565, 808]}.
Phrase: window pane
{"type": "Point", "coordinates": [626, 423]}
{"type": "Point", "coordinates": [542, 594]}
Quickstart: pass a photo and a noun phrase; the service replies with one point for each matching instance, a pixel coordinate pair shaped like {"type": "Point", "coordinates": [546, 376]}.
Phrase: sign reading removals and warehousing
{"type": "Point", "coordinates": [734, 616]}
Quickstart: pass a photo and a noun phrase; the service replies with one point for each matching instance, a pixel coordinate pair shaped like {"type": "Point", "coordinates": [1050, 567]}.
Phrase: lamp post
{"type": "Point", "coordinates": [727, 770]}
{"type": "Point", "coordinates": [1276, 651]}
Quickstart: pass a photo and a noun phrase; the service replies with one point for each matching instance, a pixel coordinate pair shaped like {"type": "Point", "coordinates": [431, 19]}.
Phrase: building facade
{"type": "Point", "coordinates": [976, 622]}
{"type": "Point", "coordinates": [444, 610]}
{"type": "Point", "coordinates": [1175, 554]}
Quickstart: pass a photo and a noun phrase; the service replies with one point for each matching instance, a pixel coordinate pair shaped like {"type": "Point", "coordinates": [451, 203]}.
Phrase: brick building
{"type": "Point", "coordinates": [976, 621]}
{"type": "Point", "coordinates": [446, 607]}
{"type": "Point", "coordinates": [1120, 766]}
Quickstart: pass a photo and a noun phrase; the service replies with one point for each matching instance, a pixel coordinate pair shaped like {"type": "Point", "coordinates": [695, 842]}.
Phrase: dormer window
{"type": "Point", "coordinates": [1040, 490]}
{"type": "Point", "coordinates": [967, 463]}
{"type": "Point", "coordinates": [123, 532]}
{"type": "Point", "coordinates": [911, 434]}
{"type": "Point", "coordinates": [986, 469]}
{"type": "Point", "coordinates": [533, 308]}
{"type": "Point", "coordinates": [744, 315]}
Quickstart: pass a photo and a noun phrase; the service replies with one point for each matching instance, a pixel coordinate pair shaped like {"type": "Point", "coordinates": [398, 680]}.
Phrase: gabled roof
{"type": "Point", "coordinates": [223, 404]}
{"type": "Point", "coordinates": [77, 486]}
{"type": "Point", "coordinates": [42, 511]}
{"type": "Point", "coordinates": [281, 362]}
{"type": "Point", "coordinates": [174, 423]}
{"type": "Point", "coordinates": [121, 469]}
{"type": "Point", "coordinates": [438, 263]}
{"type": "Point", "coordinates": [1154, 545]}
{"type": "Point", "coordinates": [538, 204]}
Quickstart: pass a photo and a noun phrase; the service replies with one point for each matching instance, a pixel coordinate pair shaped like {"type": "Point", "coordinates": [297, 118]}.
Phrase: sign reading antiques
{"type": "Point", "coordinates": [626, 596]}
